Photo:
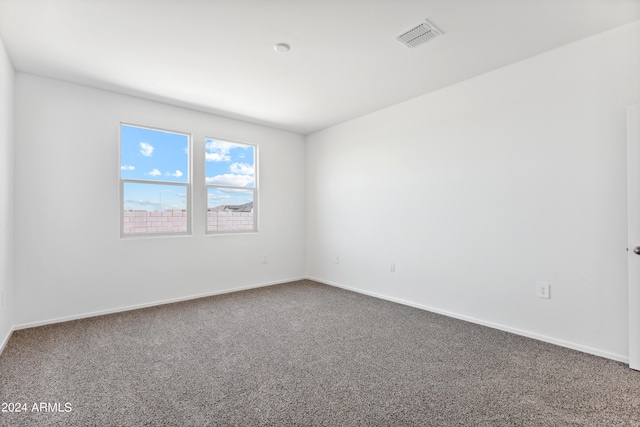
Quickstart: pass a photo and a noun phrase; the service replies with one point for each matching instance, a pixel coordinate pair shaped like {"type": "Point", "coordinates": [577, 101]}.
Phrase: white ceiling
{"type": "Point", "coordinates": [217, 55]}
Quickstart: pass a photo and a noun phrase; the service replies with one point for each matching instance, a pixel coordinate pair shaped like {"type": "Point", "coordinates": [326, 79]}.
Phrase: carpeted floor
{"type": "Point", "coordinates": [303, 354]}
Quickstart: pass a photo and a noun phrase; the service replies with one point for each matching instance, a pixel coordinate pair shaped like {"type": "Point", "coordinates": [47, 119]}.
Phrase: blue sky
{"type": "Point", "coordinates": [154, 155]}
{"type": "Point", "coordinates": [229, 164]}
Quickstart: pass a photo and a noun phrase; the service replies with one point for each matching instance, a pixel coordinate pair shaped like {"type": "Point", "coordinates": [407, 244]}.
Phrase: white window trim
{"type": "Point", "coordinates": [187, 184]}
{"type": "Point", "coordinates": [256, 204]}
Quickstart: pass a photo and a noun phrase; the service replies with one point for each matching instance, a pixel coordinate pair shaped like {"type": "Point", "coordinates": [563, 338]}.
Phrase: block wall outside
{"type": "Point", "coordinates": [138, 222]}
{"type": "Point", "coordinates": [145, 222]}
{"type": "Point", "coordinates": [229, 221]}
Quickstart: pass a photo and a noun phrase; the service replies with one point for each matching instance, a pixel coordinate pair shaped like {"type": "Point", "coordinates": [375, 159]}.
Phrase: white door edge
{"type": "Point", "coordinates": [633, 220]}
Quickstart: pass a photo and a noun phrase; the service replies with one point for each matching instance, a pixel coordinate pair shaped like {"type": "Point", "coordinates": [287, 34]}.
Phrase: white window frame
{"type": "Point", "coordinates": [188, 184]}
{"type": "Point", "coordinates": [254, 189]}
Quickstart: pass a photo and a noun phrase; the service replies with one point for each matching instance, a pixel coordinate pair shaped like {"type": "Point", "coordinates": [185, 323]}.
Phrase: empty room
{"type": "Point", "coordinates": [320, 212]}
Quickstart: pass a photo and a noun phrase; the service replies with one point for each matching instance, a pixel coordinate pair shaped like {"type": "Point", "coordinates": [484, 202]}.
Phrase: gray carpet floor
{"type": "Point", "coordinates": [304, 354]}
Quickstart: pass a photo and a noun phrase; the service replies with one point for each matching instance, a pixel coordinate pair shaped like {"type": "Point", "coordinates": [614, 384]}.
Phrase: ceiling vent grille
{"type": "Point", "coordinates": [419, 34]}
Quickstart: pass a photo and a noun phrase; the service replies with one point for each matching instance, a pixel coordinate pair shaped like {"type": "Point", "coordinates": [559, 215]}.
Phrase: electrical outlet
{"type": "Point", "coordinates": [543, 290]}
{"type": "Point", "coordinates": [337, 260]}
{"type": "Point", "coordinates": [392, 268]}
{"type": "Point", "coordinates": [264, 259]}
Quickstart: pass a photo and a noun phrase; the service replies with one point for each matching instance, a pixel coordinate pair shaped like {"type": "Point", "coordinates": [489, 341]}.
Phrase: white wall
{"type": "Point", "coordinates": [482, 189]}
{"type": "Point", "coordinates": [6, 195]}
{"type": "Point", "coordinates": [67, 157]}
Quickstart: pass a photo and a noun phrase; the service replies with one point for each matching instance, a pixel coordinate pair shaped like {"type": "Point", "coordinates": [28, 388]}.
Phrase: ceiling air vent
{"type": "Point", "coordinates": [420, 34]}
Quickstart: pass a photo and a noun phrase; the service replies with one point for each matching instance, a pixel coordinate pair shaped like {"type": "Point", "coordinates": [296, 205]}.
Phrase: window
{"type": "Point", "coordinates": [230, 179]}
{"type": "Point", "coordinates": [154, 181]}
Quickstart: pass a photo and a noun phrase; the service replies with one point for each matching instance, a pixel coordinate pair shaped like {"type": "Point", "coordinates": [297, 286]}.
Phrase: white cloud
{"type": "Point", "coordinates": [217, 157]}
{"type": "Point", "coordinates": [146, 149]}
{"type": "Point", "coordinates": [214, 144]}
{"type": "Point", "coordinates": [231, 179]}
{"type": "Point", "coordinates": [177, 174]}
{"type": "Point", "coordinates": [127, 167]}
{"type": "Point", "coordinates": [242, 168]}
{"type": "Point", "coordinates": [234, 190]}
{"type": "Point", "coordinates": [218, 151]}
{"type": "Point", "coordinates": [154, 172]}
{"type": "Point", "coordinates": [218, 196]}
{"type": "Point", "coordinates": [136, 203]}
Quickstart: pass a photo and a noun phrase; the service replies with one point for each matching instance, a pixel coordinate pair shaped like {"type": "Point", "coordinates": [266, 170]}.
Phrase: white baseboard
{"type": "Point", "coordinates": [539, 337]}
{"type": "Point", "coordinates": [149, 304]}
{"type": "Point", "coordinates": [544, 338]}
{"type": "Point", "coordinates": [4, 342]}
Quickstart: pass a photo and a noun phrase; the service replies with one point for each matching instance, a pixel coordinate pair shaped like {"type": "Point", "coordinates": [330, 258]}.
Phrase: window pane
{"type": "Point", "coordinates": [230, 163]}
{"type": "Point", "coordinates": [154, 208]}
{"type": "Point", "coordinates": [229, 209]}
{"type": "Point", "coordinates": [153, 155]}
